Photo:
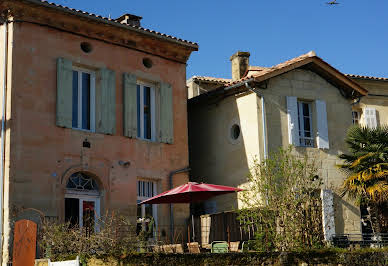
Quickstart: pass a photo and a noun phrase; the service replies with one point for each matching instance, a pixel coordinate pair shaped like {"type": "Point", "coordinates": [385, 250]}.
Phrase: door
{"type": "Point", "coordinates": [82, 211]}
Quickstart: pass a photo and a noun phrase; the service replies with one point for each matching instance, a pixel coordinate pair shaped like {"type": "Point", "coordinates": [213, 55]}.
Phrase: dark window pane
{"type": "Point", "coordinates": [138, 111]}
{"type": "Point", "coordinates": [86, 101]}
{"type": "Point", "coordinates": [148, 210]}
{"type": "Point", "coordinates": [72, 211]}
{"type": "Point", "coordinates": [307, 123]}
{"type": "Point", "coordinates": [147, 113]}
{"type": "Point", "coordinates": [143, 186]}
{"type": "Point", "coordinates": [75, 100]}
{"type": "Point", "coordinates": [306, 109]}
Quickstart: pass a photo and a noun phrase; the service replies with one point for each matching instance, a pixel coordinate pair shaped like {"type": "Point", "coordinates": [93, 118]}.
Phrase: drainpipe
{"type": "Point", "coordinates": [170, 175]}
{"type": "Point", "coordinates": [3, 117]}
{"type": "Point", "coordinates": [263, 119]}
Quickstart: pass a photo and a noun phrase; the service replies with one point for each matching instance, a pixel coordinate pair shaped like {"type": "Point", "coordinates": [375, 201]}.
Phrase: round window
{"type": "Point", "coordinates": [147, 62]}
{"type": "Point", "coordinates": [86, 47]}
{"type": "Point", "coordinates": [235, 132]}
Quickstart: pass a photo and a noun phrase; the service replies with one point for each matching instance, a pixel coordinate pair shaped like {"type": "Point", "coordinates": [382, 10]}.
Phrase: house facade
{"type": "Point", "coordinates": [304, 102]}
{"type": "Point", "coordinates": [93, 115]}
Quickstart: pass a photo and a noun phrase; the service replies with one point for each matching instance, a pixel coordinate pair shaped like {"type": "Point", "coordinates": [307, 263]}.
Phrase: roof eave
{"type": "Point", "coordinates": [192, 46]}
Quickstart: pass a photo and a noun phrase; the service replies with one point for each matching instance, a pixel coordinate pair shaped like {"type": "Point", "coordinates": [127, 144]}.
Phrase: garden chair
{"type": "Point", "coordinates": [178, 248]}
{"type": "Point", "coordinates": [157, 249]}
{"type": "Point", "coordinates": [193, 247]}
{"type": "Point", "coordinates": [168, 248]}
{"type": "Point", "coordinates": [233, 246]}
{"type": "Point", "coordinates": [220, 247]}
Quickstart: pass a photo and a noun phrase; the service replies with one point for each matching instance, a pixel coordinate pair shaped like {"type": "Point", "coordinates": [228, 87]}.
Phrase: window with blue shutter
{"type": "Point", "coordinates": [83, 103]}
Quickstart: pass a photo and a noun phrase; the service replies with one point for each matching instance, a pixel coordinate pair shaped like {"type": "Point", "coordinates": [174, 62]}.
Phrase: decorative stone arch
{"type": "Point", "coordinates": [101, 178]}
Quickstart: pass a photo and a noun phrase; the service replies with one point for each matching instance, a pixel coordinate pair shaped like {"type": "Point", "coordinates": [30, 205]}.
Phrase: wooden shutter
{"type": "Point", "coordinates": [293, 122]}
{"type": "Point", "coordinates": [64, 93]}
{"type": "Point", "coordinates": [166, 114]}
{"type": "Point", "coordinates": [370, 119]}
{"type": "Point", "coordinates": [130, 105]}
{"type": "Point", "coordinates": [106, 102]}
{"type": "Point", "coordinates": [322, 129]}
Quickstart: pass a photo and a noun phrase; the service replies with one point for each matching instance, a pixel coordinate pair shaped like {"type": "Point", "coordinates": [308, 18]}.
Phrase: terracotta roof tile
{"type": "Point", "coordinates": [211, 79]}
{"type": "Point", "coordinates": [109, 20]}
{"type": "Point", "coordinates": [265, 71]}
{"type": "Point", "coordinates": [365, 77]}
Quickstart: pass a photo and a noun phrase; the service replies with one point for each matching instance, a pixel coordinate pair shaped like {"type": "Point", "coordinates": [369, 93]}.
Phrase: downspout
{"type": "Point", "coordinates": [3, 117]}
{"type": "Point", "coordinates": [263, 119]}
{"type": "Point", "coordinates": [170, 175]}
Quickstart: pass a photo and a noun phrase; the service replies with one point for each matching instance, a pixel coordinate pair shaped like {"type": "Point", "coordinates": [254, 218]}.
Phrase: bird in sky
{"type": "Point", "coordinates": [334, 2]}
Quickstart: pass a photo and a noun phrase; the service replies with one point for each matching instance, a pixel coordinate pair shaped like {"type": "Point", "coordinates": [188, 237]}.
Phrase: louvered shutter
{"type": "Point", "coordinates": [322, 129]}
{"type": "Point", "coordinates": [106, 102]}
{"type": "Point", "coordinates": [293, 123]}
{"type": "Point", "coordinates": [166, 114]}
{"type": "Point", "coordinates": [130, 105]}
{"type": "Point", "coordinates": [370, 119]}
{"type": "Point", "coordinates": [64, 93]}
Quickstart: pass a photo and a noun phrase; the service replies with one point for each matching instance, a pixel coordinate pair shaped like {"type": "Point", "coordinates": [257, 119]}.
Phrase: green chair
{"type": "Point", "coordinates": [219, 247]}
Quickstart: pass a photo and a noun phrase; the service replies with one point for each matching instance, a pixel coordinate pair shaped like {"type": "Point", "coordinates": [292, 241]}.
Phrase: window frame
{"type": "Point", "coordinates": [301, 131]}
{"type": "Point", "coordinates": [356, 119]}
{"type": "Point", "coordinates": [140, 198]}
{"type": "Point", "coordinates": [141, 107]}
{"type": "Point", "coordinates": [92, 98]}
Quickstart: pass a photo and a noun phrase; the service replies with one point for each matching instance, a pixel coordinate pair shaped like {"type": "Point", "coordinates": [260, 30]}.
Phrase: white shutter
{"type": "Point", "coordinates": [370, 117]}
{"type": "Point", "coordinates": [322, 134]}
{"type": "Point", "coordinates": [293, 123]}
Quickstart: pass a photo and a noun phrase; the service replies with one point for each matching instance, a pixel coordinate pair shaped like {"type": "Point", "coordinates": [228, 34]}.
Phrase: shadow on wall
{"type": "Point", "coordinates": [217, 149]}
{"type": "Point", "coordinates": [340, 206]}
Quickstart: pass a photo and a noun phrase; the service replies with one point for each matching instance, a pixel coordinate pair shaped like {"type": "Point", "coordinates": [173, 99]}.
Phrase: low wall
{"type": "Point", "coordinates": [321, 257]}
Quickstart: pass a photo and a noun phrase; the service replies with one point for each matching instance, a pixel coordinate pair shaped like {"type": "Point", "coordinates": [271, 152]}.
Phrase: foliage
{"type": "Point", "coordinates": [303, 257]}
{"type": "Point", "coordinates": [366, 167]}
{"type": "Point", "coordinates": [116, 237]}
{"type": "Point", "coordinates": [282, 203]}
{"type": "Point", "coordinates": [367, 164]}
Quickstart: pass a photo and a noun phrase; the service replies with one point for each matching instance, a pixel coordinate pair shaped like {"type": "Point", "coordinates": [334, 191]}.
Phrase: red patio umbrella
{"type": "Point", "coordinates": [190, 192]}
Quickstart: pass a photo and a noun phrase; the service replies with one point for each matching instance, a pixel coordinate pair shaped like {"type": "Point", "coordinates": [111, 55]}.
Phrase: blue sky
{"type": "Point", "coordinates": [351, 36]}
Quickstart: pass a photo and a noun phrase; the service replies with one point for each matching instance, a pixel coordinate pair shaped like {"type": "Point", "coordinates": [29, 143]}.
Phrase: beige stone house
{"type": "Point", "coordinates": [304, 102]}
{"type": "Point", "coordinates": [94, 115]}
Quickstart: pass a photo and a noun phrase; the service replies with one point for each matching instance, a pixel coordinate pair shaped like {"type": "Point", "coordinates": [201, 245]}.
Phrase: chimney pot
{"type": "Point", "coordinates": [240, 64]}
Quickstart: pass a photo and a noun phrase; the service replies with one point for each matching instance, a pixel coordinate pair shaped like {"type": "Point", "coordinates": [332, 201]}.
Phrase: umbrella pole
{"type": "Point", "coordinates": [192, 223]}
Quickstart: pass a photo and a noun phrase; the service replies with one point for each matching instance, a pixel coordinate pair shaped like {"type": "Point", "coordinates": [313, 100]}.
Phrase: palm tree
{"type": "Point", "coordinates": [366, 167]}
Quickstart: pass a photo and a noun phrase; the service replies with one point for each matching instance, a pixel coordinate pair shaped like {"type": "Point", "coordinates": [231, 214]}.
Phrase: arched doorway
{"type": "Point", "coordinates": [82, 201]}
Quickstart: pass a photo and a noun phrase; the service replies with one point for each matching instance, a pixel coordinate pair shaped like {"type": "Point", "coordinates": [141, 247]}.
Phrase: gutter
{"type": "Point", "coordinates": [170, 175]}
{"type": "Point", "coordinates": [377, 95]}
{"type": "Point", "coordinates": [3, 118]}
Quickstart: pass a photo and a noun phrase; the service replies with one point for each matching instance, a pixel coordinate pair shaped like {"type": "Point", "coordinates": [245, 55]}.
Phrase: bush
{"type": "Point", "coordinates": [116, 237]}
{"type": "Point", "coordinates": [282, 203]}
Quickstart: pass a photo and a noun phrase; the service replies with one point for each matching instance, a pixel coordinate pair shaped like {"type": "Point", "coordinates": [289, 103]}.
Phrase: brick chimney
{"type": "Point", "coordinates": [129, 19]}
{"type": "Point", "coordinates": [240, 64]}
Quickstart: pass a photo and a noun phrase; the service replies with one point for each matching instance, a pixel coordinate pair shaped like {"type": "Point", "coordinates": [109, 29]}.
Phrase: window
{"type": "Point", "coordinates": [82, 202]}
{"type": "Point", "coordinates": [305, 124]}
{"type": "Point", "coordinates": [83, 102]}
{"type": "Point", "coordinates": [145, 112]}
{"type": "Point", "coordinates": [145, 212]}
{"type": "Point", "coordinates": [355, 117]}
